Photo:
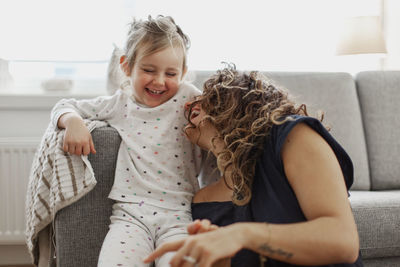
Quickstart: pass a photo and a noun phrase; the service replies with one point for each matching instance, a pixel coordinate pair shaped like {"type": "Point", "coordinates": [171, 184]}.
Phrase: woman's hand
{"type": "Point", "coordinates": [77, 138]}
{"type": "Point", "coordinates": [200, 226]}
{"type": "Point", "coordinates": [203, 226]}
{"type": "Point", "coordinates": [210, 248]}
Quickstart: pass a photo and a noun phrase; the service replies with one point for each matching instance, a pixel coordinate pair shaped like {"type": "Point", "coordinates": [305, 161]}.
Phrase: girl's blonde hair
{"type": "Point", "coordinates": [154, 35]}
{"type": "Point", "coordinates": [243, 108]}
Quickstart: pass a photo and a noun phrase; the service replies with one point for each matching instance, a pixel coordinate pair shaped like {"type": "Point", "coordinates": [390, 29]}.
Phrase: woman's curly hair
{"type": "Point", "coordinates": [243, 108]}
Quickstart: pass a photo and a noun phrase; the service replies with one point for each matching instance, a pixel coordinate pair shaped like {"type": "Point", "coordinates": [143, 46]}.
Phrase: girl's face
{"type": "Point", "coordinates": [156, 77]}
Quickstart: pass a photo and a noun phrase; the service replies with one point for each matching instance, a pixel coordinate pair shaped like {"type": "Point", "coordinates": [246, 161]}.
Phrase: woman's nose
{"type": "Point", "coordinates": [187, 105]}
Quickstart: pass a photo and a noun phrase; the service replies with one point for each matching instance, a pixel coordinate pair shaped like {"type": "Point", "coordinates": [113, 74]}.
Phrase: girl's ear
{"type": "Point", "coordinates": [124, 65]}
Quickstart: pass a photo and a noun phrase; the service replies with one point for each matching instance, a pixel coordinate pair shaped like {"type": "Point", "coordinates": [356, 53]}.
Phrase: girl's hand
{"type": "Point", "coordinates": [213, 247]}
{"type": "Point", "coordinates": [201, 226]}
{"type": "Point", "coordinates": [77, 138]}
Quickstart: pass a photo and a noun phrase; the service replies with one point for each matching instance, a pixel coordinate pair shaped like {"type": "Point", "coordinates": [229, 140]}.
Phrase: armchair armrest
{"type": "Point", "coordinates": [80, 228]}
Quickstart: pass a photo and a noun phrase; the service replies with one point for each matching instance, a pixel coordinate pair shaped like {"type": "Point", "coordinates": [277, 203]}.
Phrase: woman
{"type": "Point", "coordinates": [282, 196]}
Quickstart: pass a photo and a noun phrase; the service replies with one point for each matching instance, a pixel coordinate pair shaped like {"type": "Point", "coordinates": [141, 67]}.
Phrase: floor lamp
{"type": "Point", "coordinates": [362, 35]}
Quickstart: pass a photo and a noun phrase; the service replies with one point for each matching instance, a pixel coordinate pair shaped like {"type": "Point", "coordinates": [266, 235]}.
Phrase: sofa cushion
{"type": "Point", "coordinates": [380, 105]}
{"type": "Point", "coordinates": [199, 77]}
{"type": "Point", "coordinates": [377, 215]}
{"type": "Point", "coordinates": [379, 262]}
{"type": "Point", "coordinates": [336, 95]}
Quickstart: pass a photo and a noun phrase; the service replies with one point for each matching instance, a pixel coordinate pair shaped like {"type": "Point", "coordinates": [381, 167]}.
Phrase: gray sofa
{"type": "Point", "coordinates": [362, 112]}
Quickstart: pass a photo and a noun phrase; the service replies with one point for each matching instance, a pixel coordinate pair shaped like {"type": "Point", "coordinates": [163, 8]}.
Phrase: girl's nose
{"type": "Point", "coordinates": [159, 80]}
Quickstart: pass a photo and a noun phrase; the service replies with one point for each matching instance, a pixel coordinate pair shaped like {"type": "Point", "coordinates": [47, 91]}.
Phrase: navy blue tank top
{"type": "Point", "coordinates": [273, 200]}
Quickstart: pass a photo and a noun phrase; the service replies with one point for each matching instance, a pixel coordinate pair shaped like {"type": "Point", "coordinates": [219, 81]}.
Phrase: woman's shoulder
{"type": "Point", "coordinates": [311, 129]}
{"type": "Point", "coordinates": [201, 195]}
{"type": "Point", "coordinates": [289, 122]}
{"type": "Point", "coordinates": [279, 132]}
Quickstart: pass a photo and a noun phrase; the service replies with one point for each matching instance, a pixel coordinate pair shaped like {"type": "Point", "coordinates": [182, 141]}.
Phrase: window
{"type": "Point", "coordinates": [43, 39]}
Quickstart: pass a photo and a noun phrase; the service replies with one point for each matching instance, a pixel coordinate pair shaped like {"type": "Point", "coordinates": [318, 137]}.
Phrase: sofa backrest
{"type": "Point", "coordinates": [379, 94]}
{"type": "Point", "coordinates": [336, 95]}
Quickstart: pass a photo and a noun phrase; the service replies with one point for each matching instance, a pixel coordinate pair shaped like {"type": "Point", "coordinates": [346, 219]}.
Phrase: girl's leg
{"type": "Point", "coordinates": [127, 241]}
{"type": "Point", "coordinates": [174, 227]}
{"type": "Point", "coordinates": [166, 258]}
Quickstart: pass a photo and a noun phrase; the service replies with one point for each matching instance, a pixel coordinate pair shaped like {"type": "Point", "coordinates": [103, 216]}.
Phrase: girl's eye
{"type": "Point", "coordinates": [171, 74]}
{"type": "Point", "coordinates": [147, 70]}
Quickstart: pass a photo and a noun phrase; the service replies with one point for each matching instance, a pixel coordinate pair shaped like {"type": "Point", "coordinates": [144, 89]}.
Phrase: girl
{"type": "Point", "coordinates": [157, 167]}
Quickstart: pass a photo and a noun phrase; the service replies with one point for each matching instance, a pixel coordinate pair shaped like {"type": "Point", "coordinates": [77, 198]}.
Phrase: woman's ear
{"type": "Point", "coordinates": [124, 65]}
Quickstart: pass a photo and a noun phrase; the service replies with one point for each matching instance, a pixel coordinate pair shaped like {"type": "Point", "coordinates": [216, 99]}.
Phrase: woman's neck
{"type": "Point", "coordinates": [216, 148]}
{"type": "Point", "coordinates": [226, 178]}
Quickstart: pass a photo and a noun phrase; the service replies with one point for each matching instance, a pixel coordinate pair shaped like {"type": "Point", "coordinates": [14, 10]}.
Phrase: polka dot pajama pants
{"type": "Point", "coordinates": [136, 229]}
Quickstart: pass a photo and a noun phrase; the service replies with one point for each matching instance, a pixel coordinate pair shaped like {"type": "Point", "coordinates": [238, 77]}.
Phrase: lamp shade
{"type": "Point", "coordinates": [361, 35]}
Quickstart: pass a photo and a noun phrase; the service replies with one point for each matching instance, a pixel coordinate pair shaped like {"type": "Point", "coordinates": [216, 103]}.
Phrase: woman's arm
{"type": "Point", "coordinates": [328, 236]}
{"type": "Point", "coordinates": [314, 173]}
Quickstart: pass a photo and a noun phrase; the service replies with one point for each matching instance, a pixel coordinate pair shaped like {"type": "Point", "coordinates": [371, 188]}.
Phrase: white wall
{"type": "Point", "coordinates": [392, 34]}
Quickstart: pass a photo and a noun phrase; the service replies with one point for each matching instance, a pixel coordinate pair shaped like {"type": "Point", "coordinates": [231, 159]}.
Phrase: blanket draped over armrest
{"type": "Point", "coordinates": [56, 180]}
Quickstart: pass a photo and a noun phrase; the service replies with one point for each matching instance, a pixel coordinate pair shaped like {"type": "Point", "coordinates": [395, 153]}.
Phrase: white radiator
{"type": "Point", "coordinates": [16, 155]}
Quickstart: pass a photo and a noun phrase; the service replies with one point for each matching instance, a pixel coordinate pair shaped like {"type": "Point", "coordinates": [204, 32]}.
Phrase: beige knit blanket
{"type": "Point", "coordinates": [57, 179]}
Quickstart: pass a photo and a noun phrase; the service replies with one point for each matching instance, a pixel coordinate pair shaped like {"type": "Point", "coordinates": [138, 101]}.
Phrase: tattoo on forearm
{"type": "Point", "coordinates": [266, 248]}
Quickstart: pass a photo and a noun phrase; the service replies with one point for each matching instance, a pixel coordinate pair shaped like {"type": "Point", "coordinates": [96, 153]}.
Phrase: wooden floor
{"type": "Point", "coordinates": [14, 255]}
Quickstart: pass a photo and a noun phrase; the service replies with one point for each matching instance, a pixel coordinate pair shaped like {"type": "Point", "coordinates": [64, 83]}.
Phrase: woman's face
{"type": "Point", "coordinates": [202, 131]}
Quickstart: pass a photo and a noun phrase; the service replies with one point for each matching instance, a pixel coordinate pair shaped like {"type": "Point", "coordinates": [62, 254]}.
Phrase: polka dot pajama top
{"type": "Point", "coordinates": [156, 164]}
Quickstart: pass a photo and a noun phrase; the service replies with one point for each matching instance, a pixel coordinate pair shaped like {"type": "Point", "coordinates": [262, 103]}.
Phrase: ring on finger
{"type": "Point", "coordinates": [189, 259]}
